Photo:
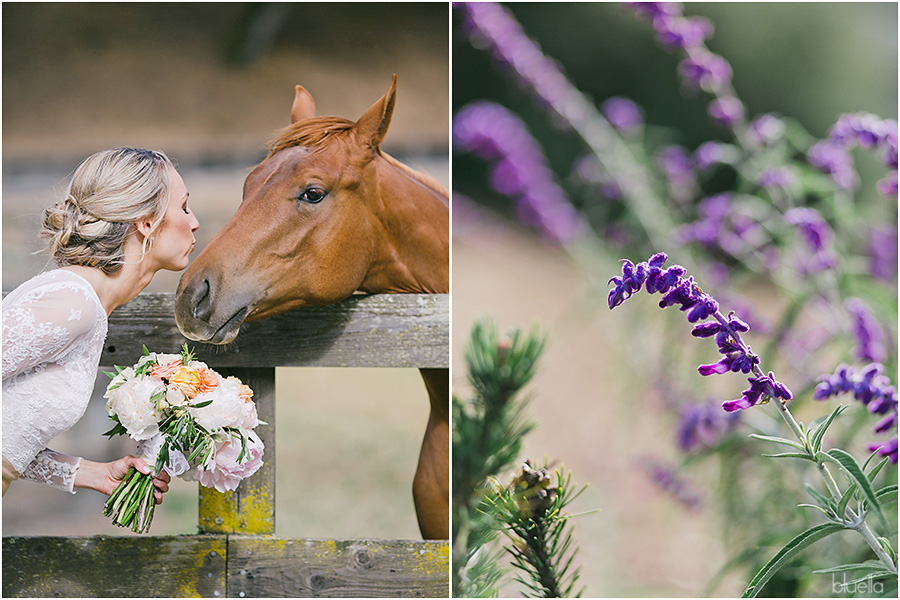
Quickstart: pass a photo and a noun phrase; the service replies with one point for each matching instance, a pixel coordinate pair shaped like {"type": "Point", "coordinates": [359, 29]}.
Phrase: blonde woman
{"type": "Point", "coordinates": [124, 218]}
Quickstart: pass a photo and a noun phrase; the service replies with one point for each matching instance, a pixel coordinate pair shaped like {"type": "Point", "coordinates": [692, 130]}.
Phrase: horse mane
{"type": "Point", "coordinates": [317, 130]}
{"type": "Point", "coordinates": [423, 178]}
{"type": "Point", "coordinates": [309, 132]}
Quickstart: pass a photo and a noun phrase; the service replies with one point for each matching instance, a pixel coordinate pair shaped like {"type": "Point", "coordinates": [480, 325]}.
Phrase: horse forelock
{"type": "Point", "coordinates": [315, 132]}
{"type": "Point", "coordinates": [310, 133]}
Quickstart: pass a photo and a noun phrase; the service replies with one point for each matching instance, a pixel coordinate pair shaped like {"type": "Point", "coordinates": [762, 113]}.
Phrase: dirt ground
{"type": "Point", "coordinates": [81, 77]}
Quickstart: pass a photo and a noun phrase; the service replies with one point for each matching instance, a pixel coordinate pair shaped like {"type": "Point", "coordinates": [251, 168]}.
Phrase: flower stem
{"type": "Point", "coordinates": [866, 533]}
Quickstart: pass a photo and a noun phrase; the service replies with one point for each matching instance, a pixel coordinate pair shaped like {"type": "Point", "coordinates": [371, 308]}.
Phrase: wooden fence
{"type": "Point", "coordinates": [236, 553]}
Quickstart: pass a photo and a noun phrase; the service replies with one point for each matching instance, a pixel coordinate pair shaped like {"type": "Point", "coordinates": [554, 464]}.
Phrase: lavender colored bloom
{"type": "Point", "coordinates": [655, 10]}
{"type": "Point", "coordinates": [702, 425]}
{"type": "Point", "coordinates": [833, 159]}
{"type": "Point", "coordinates": [888, 448]}
{"type": "Point", "coordinates": [869, 344]}
{"type": "Point", "coordinates": [883, 252]}
{"type": "Point", "coordinates": [666, 478]}
{"type": "Point", "coordinates": [888, 185]}
{"type": "Point", "coordinates": [519, 169]}
{"type": "Point", "coordinates": [761, 389]}
{"type": "Point", "coordinates": [778, 177]}
{"type": "Point", "coordinates": [726, 111]}
{"type": "Point", "coordinates": [812, 227]}
{"type": "Point", "coordinates": [699, 305]}
{"type": "Point", "coordinates": [708, 154]}
{"type": "Point", "coordinates": [766, 129]}
{"type": "Point", "coordinates": [623, 114]}
{"type": "Point", "coordinates": [678, 166]}
{"type": "Point", "coordinates": [817, 235]}
{"type": "Point", "coordinates": [682, 32]}
{"type": "Point", "coordinates": [705, 70]}
{"type": "Point", "coordinates": [872, 389]}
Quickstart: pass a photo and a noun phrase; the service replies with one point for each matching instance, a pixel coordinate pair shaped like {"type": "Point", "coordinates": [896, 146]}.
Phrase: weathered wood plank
{"type": "Point", "coordinates": [284, 568]}
{"type": "Point", "coordinates": [384, 330]}
{"type": "Point", "coordinates": [232, 566]}
{"type": "Point", "coordinates": [251, 507]}
{"type": "Point", "coordinates": [109, 567]}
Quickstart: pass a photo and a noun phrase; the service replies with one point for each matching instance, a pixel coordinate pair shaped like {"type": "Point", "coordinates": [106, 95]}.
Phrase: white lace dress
{"type": "Point", "coordinates": [53, 332]}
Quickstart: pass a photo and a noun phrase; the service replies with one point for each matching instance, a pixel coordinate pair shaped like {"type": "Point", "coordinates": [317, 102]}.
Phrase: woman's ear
{"type": "Point", "coordinates": [144, 227]}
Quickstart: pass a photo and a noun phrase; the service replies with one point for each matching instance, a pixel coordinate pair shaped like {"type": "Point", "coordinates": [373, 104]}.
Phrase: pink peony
{"type": "Point", "coordinates": [224, 472]}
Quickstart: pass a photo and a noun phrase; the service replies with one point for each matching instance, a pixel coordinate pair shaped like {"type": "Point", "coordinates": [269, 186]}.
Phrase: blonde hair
{"type": "Point", "coordinates": [110, 191]}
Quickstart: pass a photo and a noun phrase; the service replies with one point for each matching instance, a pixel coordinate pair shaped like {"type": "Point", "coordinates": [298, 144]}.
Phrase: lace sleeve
{"type": "Point", "coordinates": [53, 468]}
{"type": "Point", "coordinates": [41, 326]}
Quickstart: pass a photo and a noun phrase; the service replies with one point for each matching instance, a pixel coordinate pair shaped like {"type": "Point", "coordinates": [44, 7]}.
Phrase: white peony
{"type": "Point", "coordinates": [120, 378]}
{"type": "Point", "coordinates": [131, 403]}
{"type": "Point", "coordinates": [226, 410]}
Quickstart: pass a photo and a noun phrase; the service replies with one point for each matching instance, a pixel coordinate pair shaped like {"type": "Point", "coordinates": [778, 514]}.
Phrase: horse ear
{"type": "Point", "coordinates": [304, 106]}
{"type": "Point", "coordinates": [373, 125]}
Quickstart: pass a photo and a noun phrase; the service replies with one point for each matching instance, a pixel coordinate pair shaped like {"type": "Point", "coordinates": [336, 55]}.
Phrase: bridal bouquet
{"type": "Point", "coordinates": [189, 420]}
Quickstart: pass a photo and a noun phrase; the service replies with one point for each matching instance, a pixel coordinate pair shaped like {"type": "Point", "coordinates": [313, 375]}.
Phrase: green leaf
{"type": "Point", "coordinates": [201, 404]}
{"type": "Point", "coordinates": [117, 429]}
{"type": "Point", "coordinates": [848, 464]}
{"type": "Point", "coordinates": [818, 433]}
{"type": "Point", "coordinates": [877, 468]}
{"type": "Point", "coordinates": [805, 539]}
{"type": "Point", "coordinates": [790, 455]}
{"type": "Point", "coordinates": [822, 500]}
{"type": "Point", "coordinates": [779, 440]}
{"type": "Point", "coordinates": [825, 512]}
{"type": "Point", "coordinates": [887, 495]}
{"type": "Point", "coordinates": [845, 499]}
{"type": "Point", "coordinates": [869, 565]}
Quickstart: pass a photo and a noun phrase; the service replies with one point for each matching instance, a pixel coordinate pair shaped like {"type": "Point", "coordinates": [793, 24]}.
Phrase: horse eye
{"type": "Point", "coordinates": [312, 195]}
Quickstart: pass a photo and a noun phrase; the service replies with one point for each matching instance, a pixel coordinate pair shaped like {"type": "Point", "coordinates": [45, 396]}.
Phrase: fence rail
{"type": "Point", "coordinates": [236, 554]}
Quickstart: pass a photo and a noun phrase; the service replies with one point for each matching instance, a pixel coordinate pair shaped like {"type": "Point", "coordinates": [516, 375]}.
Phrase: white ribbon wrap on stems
{"type": "Point", "coordinates": [149, 450]}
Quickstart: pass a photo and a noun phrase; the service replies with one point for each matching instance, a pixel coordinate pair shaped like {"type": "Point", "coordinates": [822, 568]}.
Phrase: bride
{"type": "Point", "coordinates": [124, 218]}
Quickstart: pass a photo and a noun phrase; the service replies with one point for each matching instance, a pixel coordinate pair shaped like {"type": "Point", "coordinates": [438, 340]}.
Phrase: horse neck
{"type": "Point", "coordinates": [414, 256]}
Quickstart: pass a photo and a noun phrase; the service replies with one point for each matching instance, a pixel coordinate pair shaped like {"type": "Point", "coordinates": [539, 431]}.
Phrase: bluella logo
{"type": "Point", "coordinates": [866, 585]}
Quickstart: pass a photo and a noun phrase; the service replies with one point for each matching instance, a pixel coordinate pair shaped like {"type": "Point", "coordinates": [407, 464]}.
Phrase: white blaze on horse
{"type": "Point", "coordinates": [326, 214]}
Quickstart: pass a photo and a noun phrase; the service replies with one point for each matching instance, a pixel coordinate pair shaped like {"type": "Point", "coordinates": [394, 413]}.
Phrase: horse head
{"type": "Point", "coordinates": [327, 213]}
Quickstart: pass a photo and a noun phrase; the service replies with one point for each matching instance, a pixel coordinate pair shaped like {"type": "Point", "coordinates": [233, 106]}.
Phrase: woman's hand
{"type": "Point", "coordinates": [104, 477]}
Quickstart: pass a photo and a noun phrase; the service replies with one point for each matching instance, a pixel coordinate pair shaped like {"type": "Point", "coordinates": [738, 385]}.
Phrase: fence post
{"type": "Point", "coordinates": [251, 508]}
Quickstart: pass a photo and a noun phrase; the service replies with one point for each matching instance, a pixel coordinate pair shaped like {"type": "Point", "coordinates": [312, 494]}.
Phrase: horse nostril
{"type": "Point", "coordinates": [202, 303]}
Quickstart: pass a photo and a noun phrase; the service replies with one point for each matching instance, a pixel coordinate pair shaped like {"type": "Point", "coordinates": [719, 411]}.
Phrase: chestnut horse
{"type": "Point", "coordinates": [326, 214]}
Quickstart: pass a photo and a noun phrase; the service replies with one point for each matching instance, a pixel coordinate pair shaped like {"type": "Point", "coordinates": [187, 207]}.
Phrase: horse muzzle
{"type": "Point", "coordinates": [203, 315]}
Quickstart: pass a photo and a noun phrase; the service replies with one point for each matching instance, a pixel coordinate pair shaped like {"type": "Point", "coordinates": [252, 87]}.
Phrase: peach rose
{"type": "Point", "coordinates": [193, 381]}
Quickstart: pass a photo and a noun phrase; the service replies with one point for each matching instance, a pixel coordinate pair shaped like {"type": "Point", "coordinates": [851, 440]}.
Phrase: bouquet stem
{"type": "Point", "coordinates": [132, 503]}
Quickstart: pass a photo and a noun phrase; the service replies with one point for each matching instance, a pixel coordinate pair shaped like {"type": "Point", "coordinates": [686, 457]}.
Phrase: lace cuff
{"type": "Point", "coordinates": [53, 468]}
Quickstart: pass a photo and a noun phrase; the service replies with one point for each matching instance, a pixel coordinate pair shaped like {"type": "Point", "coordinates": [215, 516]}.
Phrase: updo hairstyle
{"type": "Point", "coordinates": [110, 191]}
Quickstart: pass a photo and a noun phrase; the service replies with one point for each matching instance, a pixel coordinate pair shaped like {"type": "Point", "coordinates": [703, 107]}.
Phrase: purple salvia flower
{"type": "Point", "coordinates": [726, 111]}
{"type": "Point", "coordinates": [888, 448]}
{"type": "Point", "coordinates": [666, 478]}
{"type": "Point", "coordinates": [519, 168]}
{"type": "Point", "coordinates": [678, 166]}
{"type": "Point", "coordinates": [709, 154]}
{"type": "Point", "coordinates": [765, 130]}
{"type": "Point", "coordinates": [816, 234]}
{"type": "Point", "coordinates": [702, 425]}
{"type": "Point", "coordinates": [888, 185]}
{"type": "Point", "coordinates": [704, 70]}
{"type": "Point", "coordinates": [833, 159]}
{"type": "Point", "coordinates": [682, 32]}
{"type": "Point", "coordinates": [678, 290]}
{"type": "Point", "coordinates": [623, 114]}
{"type": "Point", "coordinates": [812, 227]}
{"type": "Point", "coordinates": [883, 252]}
{"type": "Point", "coordinates": [871, 388]}
{"type": "Point", "coordinates": [777, 177]}
{"type": "Point", "coordinates": [869, 343]}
